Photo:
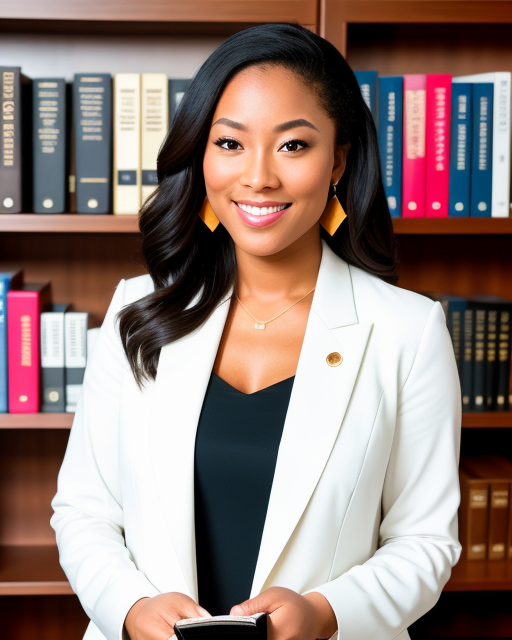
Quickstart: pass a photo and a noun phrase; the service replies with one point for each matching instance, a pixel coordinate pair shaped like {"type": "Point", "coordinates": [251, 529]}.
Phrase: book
{"type": "Point", "coordinates": [8, 280]}
{"type": "Point", "coordinates": [70, 152]}
{"type": "Point", "coordinates": [53, 381]}
{"type": "Point", "coordinates": [24, 308]}
{"type": "Point", "coordinates": [467, 362]}
{"type": "Point", "coordinates": [437, 133]}
{"type": "Point", "coordinates": [504, 349]}
{"type": "Point", "coordinates": [75, 338]}
{"type": "Point", "coordinates": [49, 145]}
{"type": "Point", "coordinates": [367, 81]}
{"type": "Point", "coordinates": [461, 143]}
{"type": "Point", "coordinates": [414, 149]}
{"type": "Point", "coordinates": [501, 135]}
{"type": "Point", "coordinates": [92, 123]}
{"type": "Point", "coordinates": [492, 469]}
{"type": "Point", "coordinates": [154, 126]}
{"type": "Point", "coordinates": [219, 627]}
{"type": "Point", "coordinates": [177, 89]}
{"type": "Point", "coordinates": [390, 134]}
{"type": "Point", "coordinates": [15, 141]}
{"type": "Point", "coordinates": [473, 515]}
{"type": "Point", "coordinates": [127, 169]}
{"type": "Point", "coordinates": [481, 162]}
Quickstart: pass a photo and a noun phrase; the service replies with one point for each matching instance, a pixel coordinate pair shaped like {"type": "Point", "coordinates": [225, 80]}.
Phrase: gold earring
{"type": "Point", "coordinates": [333, 215]}
{"type": "Point", "coordinates": [207, 215]}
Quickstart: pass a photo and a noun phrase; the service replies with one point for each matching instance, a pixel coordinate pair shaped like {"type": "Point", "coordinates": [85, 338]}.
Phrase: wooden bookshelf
{"type": "Point", "coordinates": [32, 570]}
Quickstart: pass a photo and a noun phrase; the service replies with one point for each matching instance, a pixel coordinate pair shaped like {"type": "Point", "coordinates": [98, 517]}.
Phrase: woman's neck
{"type": "Point", "coordinates": [285, 275]}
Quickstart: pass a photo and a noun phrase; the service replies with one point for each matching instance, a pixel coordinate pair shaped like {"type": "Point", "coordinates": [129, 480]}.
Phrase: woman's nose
{"type": "Point", "coordinates": [258, 171]}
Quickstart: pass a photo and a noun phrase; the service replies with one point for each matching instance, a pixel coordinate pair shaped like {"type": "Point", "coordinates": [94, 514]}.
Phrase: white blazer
{"type": "Point", "coordinates": [363, 507]}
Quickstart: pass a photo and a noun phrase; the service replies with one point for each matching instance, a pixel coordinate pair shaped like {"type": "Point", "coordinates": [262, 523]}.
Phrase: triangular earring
{"type": "Point", "coordinates": [333, 215]}
{"type": "Point", "coordinates": [207, 215]}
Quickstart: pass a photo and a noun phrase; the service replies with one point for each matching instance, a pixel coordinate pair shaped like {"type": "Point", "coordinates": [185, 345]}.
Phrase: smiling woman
{"type": "Point", "coordinates": [307, 469]}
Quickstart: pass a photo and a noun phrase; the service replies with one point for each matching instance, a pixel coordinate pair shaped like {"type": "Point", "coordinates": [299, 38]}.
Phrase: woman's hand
{"type": "Point", "coordinates": [154, 618]}
{"type": "Point", "coordinates": [292, 616]}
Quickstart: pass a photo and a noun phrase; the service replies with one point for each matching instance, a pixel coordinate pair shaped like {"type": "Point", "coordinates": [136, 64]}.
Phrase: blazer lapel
{"type": "Point", "coordinates": [317, 406]}
{"type": "Point", "coordinates": [183, 373]}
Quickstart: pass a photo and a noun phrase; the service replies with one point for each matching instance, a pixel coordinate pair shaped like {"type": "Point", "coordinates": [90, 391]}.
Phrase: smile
{"type": "Point", "coordinates": [261, 211]}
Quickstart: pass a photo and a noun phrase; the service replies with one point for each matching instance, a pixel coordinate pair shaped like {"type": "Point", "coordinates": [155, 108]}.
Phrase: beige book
{"type": "Point", "coordinates": [155, 117]}
{"type": "Point", "coordinates": [126, 169]}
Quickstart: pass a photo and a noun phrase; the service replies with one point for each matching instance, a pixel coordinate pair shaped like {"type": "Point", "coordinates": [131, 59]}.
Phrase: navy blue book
{"type": "Point", "coordinates": [177, 88]}
{"type": "Point", "coordinates": [49, 145]}
{"type": "Point", "coordinates": [390, 132]}
{"type": "Point", "coordinates": [8, 280]}
{"type": "Point", "coordinates": [481, 164]}
{"type": "Point", "coordinates": [460, 150]}
{"type": "Point", "coordinates": [368, 84]}
{"type": "Point", "coordinates": [92, 121]}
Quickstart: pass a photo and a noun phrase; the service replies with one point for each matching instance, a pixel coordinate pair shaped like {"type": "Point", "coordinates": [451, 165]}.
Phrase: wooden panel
{"type": "Point", "coordinates": [36, 420]}
{"type": "Point", "coordinates": [481, 576]}
{"type": "Point", "coordinates": [69, 223]}
{"type": "Point", "coordinates": [458, 49]}
{"type": "Point", "coordinates": [452, 226]}
{"type": "Point", "coordinates": [29, 465]}
{"type": "Point", "coordinates": [386, 11]}
{"type": "Point", "coordinates": [84, 269]}
{"type": "Point", "coordinates": [27, 570]}
{"type": "Point", "coordinates": [42, 618]}
{"type": "Point", "coordinates": [302, 11]}
{"type": "Point", "coordinates": [487, 420]}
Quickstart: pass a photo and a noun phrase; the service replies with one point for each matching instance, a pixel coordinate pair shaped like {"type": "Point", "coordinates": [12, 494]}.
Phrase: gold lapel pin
{"type": "Point", "coordinates": [334, 359]}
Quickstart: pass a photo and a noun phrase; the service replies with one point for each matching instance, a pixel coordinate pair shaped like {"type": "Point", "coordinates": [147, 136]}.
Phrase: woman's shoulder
{"type": "Point", "coordinates": [137, 288]}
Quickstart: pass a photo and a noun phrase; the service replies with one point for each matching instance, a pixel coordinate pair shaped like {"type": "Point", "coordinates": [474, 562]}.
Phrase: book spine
{"type": "Point", "coordinates": [414, 156]}
{"type": "Point", "coordinates": [70, 152]}
{"type": "Point", "coordinates": [460, 150]}
{"type": "Point", "coordinates": [49, 145]}
{"type": "Point", "coordinates": [52, 362]}
{"type": "Point", "coordinates": [92, 118]}
{"type": "Point", "coordinates": [455, 326]}
{"type": "Point", "coordinates": [466, 381]}
{"type": "Point", "coordinates": [479, 366]}
{"type": "Point", "coordinates": [438, 119]}
{"type": "Point", "coordinates": [10, 140]}
{"type": "Point", "coordinates": [75, 328]}
{"type": "Point", "coordinates": [177, 89]}
{"type": "Point", "coordinates": [367, 81]}
{"type": "Point", "coordinates": [473, 517]}
{"type": "Point", "coordinates": [23, 350]}
{"type": "Point", "coordinates": [481, 165]}
{"type": "Point", "coordinates": [501, 145]}
{"type": "Point", "coordinates": [502, 399]}
{"type": "Point", "coordinates": [390, 131]}
{"type": "Point", "coordinates": [4, 285]}
{"type": "Point", "coordinates": [154, 124]}
{"type": "Point", "coordinates": [127, 171]}
{"type": "Point", "coordinates": [491, 368]}
{"type": "Point", "coordinates": [498, 520]}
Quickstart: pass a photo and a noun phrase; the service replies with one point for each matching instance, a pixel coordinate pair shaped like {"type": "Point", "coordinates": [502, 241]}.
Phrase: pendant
{"type": "Point", "coordinates": [259, 326]}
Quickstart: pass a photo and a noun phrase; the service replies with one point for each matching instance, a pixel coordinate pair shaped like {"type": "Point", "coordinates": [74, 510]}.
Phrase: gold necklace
{"type": "Point", "coordinates": [259, 324]}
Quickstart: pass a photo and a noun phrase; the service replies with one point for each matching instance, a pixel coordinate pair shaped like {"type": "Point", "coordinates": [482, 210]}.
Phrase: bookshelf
{"type": "Point", "coordinates": [85, 256]}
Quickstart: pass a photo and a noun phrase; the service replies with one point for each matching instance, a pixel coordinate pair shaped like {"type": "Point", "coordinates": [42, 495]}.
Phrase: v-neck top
{"type": "Point", "coordinates": [236, 447]}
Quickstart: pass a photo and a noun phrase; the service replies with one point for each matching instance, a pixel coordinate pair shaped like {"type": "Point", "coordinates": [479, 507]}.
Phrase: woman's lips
{"type": "Point", "coordinates": [261, 219]}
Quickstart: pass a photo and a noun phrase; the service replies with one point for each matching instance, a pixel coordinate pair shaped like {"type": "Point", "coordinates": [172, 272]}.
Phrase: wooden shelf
{"type": "Point", "coordinates": [108, 223]}
{"type": "Point", "coordinates": [69, 223]}
{"type": "Point", "coordinates": [452, 226]}
{"type": "Point", "coordinates": [488, 419]}
{"type": "Point", "coordinates": [36, 420]}
{"type": "Point", "coordinates": [481, 575]}
{"type": "Point", "coordinates": [31, 570]}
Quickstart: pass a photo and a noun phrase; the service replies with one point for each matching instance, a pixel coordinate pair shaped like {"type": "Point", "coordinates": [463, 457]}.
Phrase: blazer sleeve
{"type": "Point", "coordinates": [418, 535]}
{"type": "Point", "coordinates": [88, 506]}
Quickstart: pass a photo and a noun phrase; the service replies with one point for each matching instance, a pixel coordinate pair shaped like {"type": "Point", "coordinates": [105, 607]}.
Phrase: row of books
{"type": "Point", "coordinates": [87, 146]}
{"type": "Point", "coordinates": [485, 512]}
{"type": "Point", "coordinates": [444, 142]}
{"type": "Point", "coordinates": [480, 330]}
{"type": "Point", "coordinates": [43, 349]}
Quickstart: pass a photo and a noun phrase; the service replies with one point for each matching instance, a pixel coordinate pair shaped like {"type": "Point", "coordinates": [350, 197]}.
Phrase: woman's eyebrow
{"type": "Point", "coordinates": [291, 124]}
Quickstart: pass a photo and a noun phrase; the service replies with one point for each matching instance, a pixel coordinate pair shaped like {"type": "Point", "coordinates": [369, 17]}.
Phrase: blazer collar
{"type": "Point", "coordinates": [318, 402]}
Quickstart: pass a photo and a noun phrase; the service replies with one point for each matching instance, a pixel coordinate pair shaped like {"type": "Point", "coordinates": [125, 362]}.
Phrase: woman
{"type": "Point", "coordinates": [272, 425]}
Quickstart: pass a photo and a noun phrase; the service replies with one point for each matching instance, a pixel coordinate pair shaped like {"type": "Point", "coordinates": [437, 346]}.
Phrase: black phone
{"type": "Point", "coordinates": [253, 627]}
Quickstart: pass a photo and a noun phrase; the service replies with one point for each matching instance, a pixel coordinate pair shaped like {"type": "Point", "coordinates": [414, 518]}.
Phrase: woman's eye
{"type": "Point", "coordinates": [294, 145]}
{"type": "Point", "coordinates": [228, 143]}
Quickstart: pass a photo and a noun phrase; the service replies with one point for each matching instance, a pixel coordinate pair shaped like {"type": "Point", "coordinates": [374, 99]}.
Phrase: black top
{"type": "Point", "coordinates": [237, 441]}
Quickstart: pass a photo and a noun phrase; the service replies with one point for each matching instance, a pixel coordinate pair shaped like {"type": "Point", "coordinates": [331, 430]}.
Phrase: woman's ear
{"type": "Point", "coordinates": [340, 162]}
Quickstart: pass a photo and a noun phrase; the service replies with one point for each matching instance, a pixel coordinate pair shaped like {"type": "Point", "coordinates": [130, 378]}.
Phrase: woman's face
{"type": "Point", "coordinates": [269, 159]}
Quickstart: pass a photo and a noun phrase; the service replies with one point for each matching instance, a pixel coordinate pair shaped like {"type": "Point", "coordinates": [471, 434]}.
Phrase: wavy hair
{"type": "Point", "coordinates": [189, 263]}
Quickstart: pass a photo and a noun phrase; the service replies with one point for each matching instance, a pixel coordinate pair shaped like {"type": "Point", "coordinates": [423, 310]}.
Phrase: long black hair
{"type": "Point", "coordinates": [184, 258]}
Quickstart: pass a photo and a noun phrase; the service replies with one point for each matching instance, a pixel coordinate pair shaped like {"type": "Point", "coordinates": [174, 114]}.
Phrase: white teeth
{"type": "Point", "coordinates": [260, 211]}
